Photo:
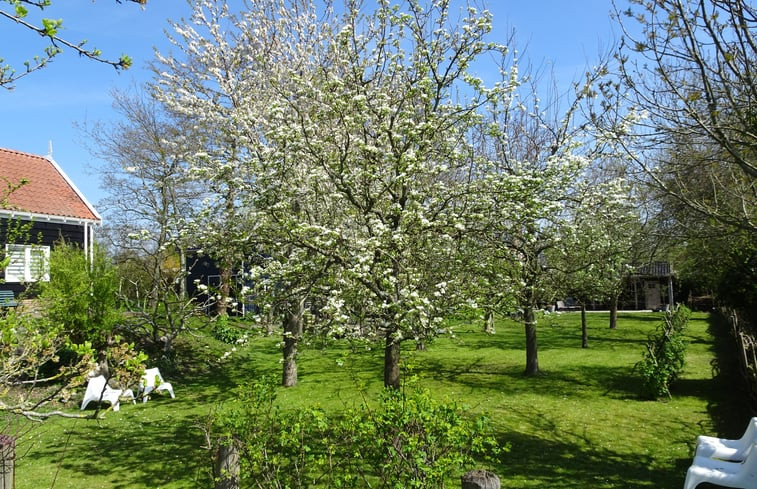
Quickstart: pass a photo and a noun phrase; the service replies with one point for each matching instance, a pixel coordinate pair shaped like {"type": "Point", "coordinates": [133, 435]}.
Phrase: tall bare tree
{"type": "Point", "coordinates": [689, 85]}
{"type": "Point", "coordinates": [151, 211]}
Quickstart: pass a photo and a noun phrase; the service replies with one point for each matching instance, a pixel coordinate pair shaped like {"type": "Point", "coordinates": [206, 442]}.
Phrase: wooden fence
{"type": "Point", "coordinates": [744, 333]}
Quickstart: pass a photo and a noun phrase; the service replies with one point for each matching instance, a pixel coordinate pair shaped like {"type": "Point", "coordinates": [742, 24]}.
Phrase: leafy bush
{"type": "Point", "coordinates": [80, 300]}
{"type": "Point", "coordinates": [413, 441]}
{"type": "Point", "coordinates": [81, 296]}
{"type": "Point", "coordinates": [408, 440]}
{"type": "Point", "coordinates": [227, 333]}
{"type": "Point", "coordinates": [665, 356]}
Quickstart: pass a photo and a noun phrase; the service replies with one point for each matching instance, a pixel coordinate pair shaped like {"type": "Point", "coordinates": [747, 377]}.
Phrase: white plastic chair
{"type": "Point", "coordinates": [153, 381]}
{"type": "Point", "coordinates": [725, 449]}
{"type": "Point", "coordinates": [723, 473]}
{"type": "Point", "coordinates": [98, 390]}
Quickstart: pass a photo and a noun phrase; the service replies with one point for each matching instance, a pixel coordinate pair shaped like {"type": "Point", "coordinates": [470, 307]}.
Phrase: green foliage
{"type": "Point", "coordinates": [725, 265]}
{"type": "Point", "coordinates": [11, 230]}
{"type": "Point", "coordinates": [412, 440]}
{"type": "Point", "coordinates": [665, 356]}
{"type": "Point", "coordinates": [466, 312]}
{"type": "Point", "coordinates": [81, 296]}
{"type": "Point", "coordinates": [277, 447]}
{"type": "Point", "coordinates": [31, 348]}
{"type": "Point", "coordinates": [407, 440]}
{"type": "Point", "coordinates": [225, 332]}
{"type": "Point", "coordinates": [51, 26]}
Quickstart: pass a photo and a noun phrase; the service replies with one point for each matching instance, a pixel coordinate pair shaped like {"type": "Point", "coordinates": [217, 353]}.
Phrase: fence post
{"type": "Point", "coordinates": [227, 466]}
{"type": "Point", "coordinates": [479, 479]}
{"type": "Point", "coordinates": [7, 462]}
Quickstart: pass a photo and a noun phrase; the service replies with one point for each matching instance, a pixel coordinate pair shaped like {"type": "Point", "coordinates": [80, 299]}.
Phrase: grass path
{"type": "Point", "coordinates": [581, 424]}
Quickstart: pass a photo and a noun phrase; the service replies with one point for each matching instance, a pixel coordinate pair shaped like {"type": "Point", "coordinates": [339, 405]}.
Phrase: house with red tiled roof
{"type": "Point", "coordinates": [36, 191]}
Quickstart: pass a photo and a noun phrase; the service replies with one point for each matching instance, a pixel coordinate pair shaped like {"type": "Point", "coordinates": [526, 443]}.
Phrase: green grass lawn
{"type": "Point", "coordinates": [581, 424]}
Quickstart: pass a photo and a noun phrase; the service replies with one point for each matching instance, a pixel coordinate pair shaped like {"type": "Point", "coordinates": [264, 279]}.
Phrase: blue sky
{"type": "Point", "coordinates": [560, 35]}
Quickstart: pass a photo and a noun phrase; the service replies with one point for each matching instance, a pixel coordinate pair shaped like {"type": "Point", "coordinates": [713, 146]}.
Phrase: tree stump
{"type": "Point", "coordinates": [479, 479]}
{"type": "Point", "coordinates": [227, 467]}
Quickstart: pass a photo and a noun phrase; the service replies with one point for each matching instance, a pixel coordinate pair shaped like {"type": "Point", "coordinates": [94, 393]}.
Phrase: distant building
{"type": "Point", "coordinates": [650, 287]}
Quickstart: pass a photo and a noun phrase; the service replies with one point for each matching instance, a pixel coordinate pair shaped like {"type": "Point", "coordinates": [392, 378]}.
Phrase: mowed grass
{"type": "Point", "coordinates": [582, 423]}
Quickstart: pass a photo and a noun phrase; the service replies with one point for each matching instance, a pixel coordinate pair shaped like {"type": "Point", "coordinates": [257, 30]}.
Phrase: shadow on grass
{"type": "Point", "coordinates": [597, 467]}
{"type": "Point", "coordinates": [728, 405]}
{"type": "Point", "coordinates": [574, 380]}
{"type": "Point", "coordinates": [161, 442]}
{"type": "Point", "coordinates": [206, 378]}
{"type": "Point", "coordinates": [133, 451]}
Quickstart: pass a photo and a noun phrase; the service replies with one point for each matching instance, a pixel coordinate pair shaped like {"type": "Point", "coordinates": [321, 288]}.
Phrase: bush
{"type": "Point", "coordinates": [408, 440]}
{"type": "Point", "coordinates": [665, 356]}
{"type": "Point", "coordinates": [81, 296]}
{"type": "Point", "coordinates": [228, 333]}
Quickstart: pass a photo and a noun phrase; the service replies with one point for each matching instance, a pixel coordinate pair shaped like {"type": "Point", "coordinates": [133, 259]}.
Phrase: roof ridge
{"type": "Point", "coordinates": [24, 153]}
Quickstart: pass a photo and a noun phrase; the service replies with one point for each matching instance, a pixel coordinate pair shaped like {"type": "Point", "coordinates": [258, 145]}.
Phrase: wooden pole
{"type": "Point", "coordinates": [227, 466]}
{"type": "Point", "coordinates": [7, 462]}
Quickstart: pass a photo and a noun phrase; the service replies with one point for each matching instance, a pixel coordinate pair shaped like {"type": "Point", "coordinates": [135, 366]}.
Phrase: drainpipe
{"type": "Point", "coordinates": [86, 242]}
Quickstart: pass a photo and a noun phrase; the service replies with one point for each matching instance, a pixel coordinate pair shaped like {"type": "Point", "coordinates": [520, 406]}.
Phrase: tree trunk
{"type": "Point", "coordinates": [224, 289]}
{"type": "Point", "coordinates": [183, 274]}
{"type": "Point", "coordinates": [270, 317]}
{"type": "Point", "coordinates": [584, 330]}
{"type": "Point", "coordinates": [532, 353]}
{"type": "Point", "coordinates": [614, 313]}
{"type": "Point", "coordinates": [392, 361]}
{"type": "Point", "coordinates": [292, 334]}
{"type": "Point", "coordinates": [489, 322]}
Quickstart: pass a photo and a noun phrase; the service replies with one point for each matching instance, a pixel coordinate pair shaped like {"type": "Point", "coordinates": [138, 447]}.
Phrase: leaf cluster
{"type": "Point", "coordinates": [50, 30]}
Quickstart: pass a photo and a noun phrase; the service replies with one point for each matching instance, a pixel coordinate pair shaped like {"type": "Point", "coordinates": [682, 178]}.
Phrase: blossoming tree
{"type": "Point", "coordinates": [380, 128]}
{"type": "Point", "coordinates": [535, 195]}
{"type": "Point", "coordinates": [354, 119]}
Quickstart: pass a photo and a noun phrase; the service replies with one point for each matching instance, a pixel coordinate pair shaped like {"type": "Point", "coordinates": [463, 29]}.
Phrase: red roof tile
{"type": "Point", "coordinates": [47, 191]}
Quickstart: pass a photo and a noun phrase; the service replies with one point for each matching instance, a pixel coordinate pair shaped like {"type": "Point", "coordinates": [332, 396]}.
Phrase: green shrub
{"type": "Point", "coordinates": [407, 440]}
{"type": "Point", "coordinates": [277, 448]}
{"type": "Point", "coordinates": [665, 356]}
{"type": "Point", "coordinates": [414, 441]}
{"type": "Point", "coordinates": [81, 295]}
{"type": "Point", "coordinates": [227, 333]}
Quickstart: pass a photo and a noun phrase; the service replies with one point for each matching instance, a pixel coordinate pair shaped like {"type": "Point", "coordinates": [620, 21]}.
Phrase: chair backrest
{"type": "Point", "coordinates": [750, 434]}
{"type": "Point", "coordinates": [96, 384]}
{"type": "Point", "coordinates": [152, 377]}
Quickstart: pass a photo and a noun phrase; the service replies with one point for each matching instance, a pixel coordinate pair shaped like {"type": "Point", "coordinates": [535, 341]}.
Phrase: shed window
{"type": "Point", "coordinates": [28, 263]}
